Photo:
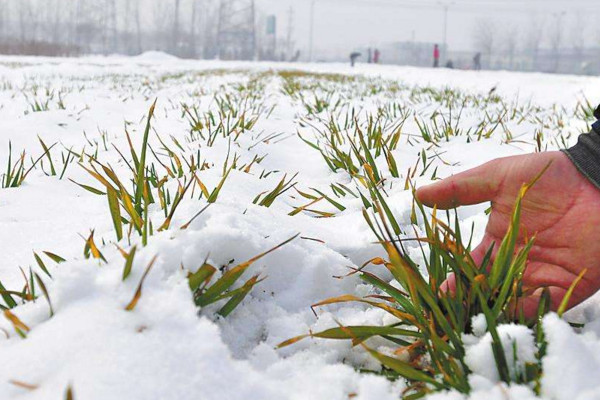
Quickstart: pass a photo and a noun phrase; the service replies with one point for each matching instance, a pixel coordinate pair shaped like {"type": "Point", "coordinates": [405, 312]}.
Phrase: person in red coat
{"type": "Point", "coordinates": [436, 56]}
{"type": "Point", "coordinates": [376, 56]}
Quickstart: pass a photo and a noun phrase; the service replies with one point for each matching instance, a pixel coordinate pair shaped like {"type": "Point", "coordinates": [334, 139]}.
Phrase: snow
{"type": "Point", "coordinates": [156, 56]}
{"type": "Point", "coordinates": [572, 357]}
{"type": "Point", "coordinates": [479, 325]}
{"type": "Point", "coordinates": [519, 349]}
{"type": "Point", "coordinates": [165, 349]}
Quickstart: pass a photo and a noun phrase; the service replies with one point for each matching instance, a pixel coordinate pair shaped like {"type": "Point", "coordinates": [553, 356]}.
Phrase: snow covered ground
{"type": "Point", "coordinates": [165, 348]}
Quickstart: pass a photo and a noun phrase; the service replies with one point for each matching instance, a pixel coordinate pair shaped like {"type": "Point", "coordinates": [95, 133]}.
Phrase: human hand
{"type": "Point", "coordinates": [562, 209]}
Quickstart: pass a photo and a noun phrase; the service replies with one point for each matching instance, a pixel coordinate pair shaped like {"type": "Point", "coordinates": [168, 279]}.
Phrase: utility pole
{"type": "Point", "coordinates": [312, 30]}
{"type": "Point", "coordinates": [446, 8]}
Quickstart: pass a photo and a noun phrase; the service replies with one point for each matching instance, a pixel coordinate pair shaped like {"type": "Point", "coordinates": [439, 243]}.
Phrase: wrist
{"type": "Point", "coordinates": [585, 155]}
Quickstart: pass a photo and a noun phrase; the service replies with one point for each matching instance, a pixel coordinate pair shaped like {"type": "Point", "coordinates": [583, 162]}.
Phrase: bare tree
{"type": "Point", "coordinates": [175, 32]}
{"type": "Point", "coordinates": [577, 37]}
{"type": "Point", "coordinates": [56, 23]}
{"type": "Point", "coordinates": [511, 43]}
{"type": "Point", "coordinates": [535, 35]}
{"type": "Point", "coordinates": [556, 38]}
{"type": "Point", "coordinates": [24, 10]}
{"type": "Point", "coordinates": [193, 47]}
{"type": "Point", "coordinates": [131, 34]}
{"type": "Point", "coordinates": [485, 38]}
{"type": "Point", "coordinates": [162, 39]}
{"type": "Point", "coordinates": [138, 24]}
{"type": "Point", "coordinates": [110, 35]}
{"type": "Point", "coordinates": [210, 46]}
{"type": "Point", "coordinates": [4, 12]}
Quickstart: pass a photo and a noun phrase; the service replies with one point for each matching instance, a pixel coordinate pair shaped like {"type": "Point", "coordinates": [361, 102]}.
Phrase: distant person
{"type": "Point", "coordinates": [296, 56]}
{"type": "Point", "coordinates": [450, 64]}
{"type": "Point", "coordinates": [353, 57]}
{"type": "Point", "coordinates": [436, 56]}
{"type": "Point", "coordinates": [376, 56]}
{"type": "Point", "coordinates": [370, 56]}
{"type": "Point", "coordinates": [477, 62]}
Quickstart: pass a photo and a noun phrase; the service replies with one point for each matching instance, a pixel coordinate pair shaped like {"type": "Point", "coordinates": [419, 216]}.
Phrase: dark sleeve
{"type": "Point", "coordinates": [586, 153]}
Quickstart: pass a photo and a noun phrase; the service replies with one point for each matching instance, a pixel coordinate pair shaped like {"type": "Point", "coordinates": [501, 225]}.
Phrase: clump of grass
{"type": "Point", "coordinates": [235, 110]}
{"type": "Point", "coordinates": [37, 105]}
{"type": "Point", "coordinates": [91, 250]}
{"type": "Point", "coordinates": [16, 172]}
{"type": "Point", "coordinates": [266, 199]}
{"type": "Point", "coordinates": [209, 290]}
{"type": "Point", "coordinates": [13, 298]}
{"type": "Point", "coordinates": [430, 321]}
{"type": "Point", "coordinates": [584, 110]}
{"type": "Point", "coordinates": [132, 207]}
{"type": "Point", "coordinates": [314, 199]}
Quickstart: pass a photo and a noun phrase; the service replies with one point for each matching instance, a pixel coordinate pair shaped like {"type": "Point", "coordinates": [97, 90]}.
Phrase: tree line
{"type": "Point", "coordinates": [186, 28]}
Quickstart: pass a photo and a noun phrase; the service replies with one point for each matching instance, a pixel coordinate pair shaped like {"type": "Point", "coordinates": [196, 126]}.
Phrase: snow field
{"type": "Point", "coordinates": [165, 348]}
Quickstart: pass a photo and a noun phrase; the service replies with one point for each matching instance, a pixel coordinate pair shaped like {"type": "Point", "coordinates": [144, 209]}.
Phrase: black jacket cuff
{"type": "Point", "coordinates": [586, 153]}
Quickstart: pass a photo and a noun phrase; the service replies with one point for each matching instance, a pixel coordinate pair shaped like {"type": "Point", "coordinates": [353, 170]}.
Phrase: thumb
{"type": "Point", "coordinates": [475, 186]}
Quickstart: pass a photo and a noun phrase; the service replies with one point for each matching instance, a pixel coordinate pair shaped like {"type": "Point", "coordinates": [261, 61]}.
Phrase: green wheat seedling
{"type": "Point", "coordinates": [48, 154]}
{"type": "Point", "coordinates": [212, 195]}
{"type": "Point", "coordinates": [175, 168]}
{"type": "Point", "coordinates": [430, 320]}
{"type": "Point", "coordinates": [207, 289]}
{"type": "Point", "coordinates": [132, 207]}
{"type": "Point", "coordinates": [121, 202]}
{"type": "Point", "coordinates": [317, 105]}
{"type": "Point", "coordinates": [60, 103]}
{"type": "Point", "coordinates": [318, 197]}
{"type": "Point", "coordinates": [13, 298]}
{"type": "Point", "coordinates": [584, 110]}
{"type": "Point", "coordinates": [225, 122]}
{"type": "Point", "coordinates": [19, 326]}
{"type": "Point", "coordinates": [16, 172]}
{"type": "Point", "coordinates": [234, 110]}
{"type": "Point", "coordinates": [41, 102]}
{"type": "Point", "coordinates": [442, 120]}
{"type": "Point", "coordinates": [266, 199]}
{"type": "Point", "coordinates": [300, 84]}
{"type": "Point", "coordinates": [346, 139]}
{"type": "Point", "coordinates": [67, 158]}
{"type": "Point", "coordinates": [36, 105]}
{"type": "Point", "coordinates": [6, 85]}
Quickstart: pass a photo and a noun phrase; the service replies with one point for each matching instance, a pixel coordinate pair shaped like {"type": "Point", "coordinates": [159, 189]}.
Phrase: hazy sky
{"type": "Point", "coordinates": [341, 25]}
